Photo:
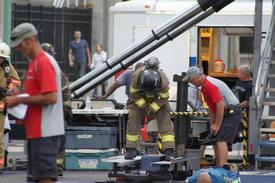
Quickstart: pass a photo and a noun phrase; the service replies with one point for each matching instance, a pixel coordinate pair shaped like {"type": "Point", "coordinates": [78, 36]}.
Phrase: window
{"type": "Point", "coordinates": [246, 44]}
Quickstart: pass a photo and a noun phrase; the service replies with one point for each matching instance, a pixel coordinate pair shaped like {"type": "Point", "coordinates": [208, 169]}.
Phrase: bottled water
{"type": "Point", "coordinates": [88, 103]}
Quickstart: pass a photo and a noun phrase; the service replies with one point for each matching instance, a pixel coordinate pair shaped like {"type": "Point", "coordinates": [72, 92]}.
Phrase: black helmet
{"type": "Point", "coordinates": [149, 80]}
{"type": "Point", "coordinates": [47, 47]}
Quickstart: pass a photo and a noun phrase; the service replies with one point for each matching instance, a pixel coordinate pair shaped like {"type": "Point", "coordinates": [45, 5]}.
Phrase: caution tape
{"type": "Point", "coordinates": [187, 113]}
{"type": "Point", "coordinates": [245, 129]}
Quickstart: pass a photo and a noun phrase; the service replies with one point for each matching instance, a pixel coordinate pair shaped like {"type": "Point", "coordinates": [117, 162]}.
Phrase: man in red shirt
{"type": "Point", "coordinates": [225, 111]}
{"type": "Point", "coordinates": [44, 118]}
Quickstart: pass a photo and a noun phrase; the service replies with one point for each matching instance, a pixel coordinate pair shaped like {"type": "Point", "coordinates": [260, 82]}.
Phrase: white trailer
{"type": "Point", "coordinates": [132, 21]}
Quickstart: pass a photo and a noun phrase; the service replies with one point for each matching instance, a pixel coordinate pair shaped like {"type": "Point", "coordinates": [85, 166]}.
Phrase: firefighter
{"type": "Point", "coordinates": [9, 82]}
{"type": "Point", "coordinates": [149, 96]}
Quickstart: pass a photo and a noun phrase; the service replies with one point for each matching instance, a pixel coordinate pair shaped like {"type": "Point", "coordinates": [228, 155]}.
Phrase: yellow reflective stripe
{"type": "Point", "coordinates": [168, 138]}
{"type": "Point", "coordinates": [155, 106]}
{"type": "Point", "coordinates": [236, 181]}
{"type": "Point", "coordinates": [134, 90]}
{"type": "Point", "coordinates": [164, 94]}
{"type": "Point", "coordinates": [132, 138]}
{"type": "Point", "coordinates": [140, 102]}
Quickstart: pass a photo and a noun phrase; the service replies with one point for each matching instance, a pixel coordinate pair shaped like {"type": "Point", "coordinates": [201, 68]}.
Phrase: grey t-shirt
{"type": "Point", "coordinates": [125, 80]}
{"type": "Point", "coordinates": [227, 95]}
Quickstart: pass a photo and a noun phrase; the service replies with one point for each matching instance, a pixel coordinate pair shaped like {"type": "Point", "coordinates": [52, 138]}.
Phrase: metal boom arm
{"type": "Point", "coordinates": [166, 32]}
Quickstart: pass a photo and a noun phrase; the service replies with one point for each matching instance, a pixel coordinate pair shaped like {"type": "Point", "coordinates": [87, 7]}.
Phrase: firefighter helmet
{"type": "Point", "coordinates": [47, 47]}
{"type": "Point", "coordinates": [4, 50]}
{"type": "Point", "coordinates": [149, 80]}
{"type": "Point", "coordinates": [152, 63]}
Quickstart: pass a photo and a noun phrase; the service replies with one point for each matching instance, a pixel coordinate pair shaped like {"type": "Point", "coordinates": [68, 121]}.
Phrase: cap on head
{"type": "Point", "coordinates": [21, 32]}
{"type": "Point", "coordinates": [192, 71]}
{"type": "Point", "coordinates": [4, 50]}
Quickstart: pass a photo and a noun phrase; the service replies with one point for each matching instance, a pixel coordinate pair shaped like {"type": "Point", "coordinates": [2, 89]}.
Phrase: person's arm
{"type": "Point", "coordinates": [37, 100]}
{"type": "Point", "coordinates": [14, 82]}
{"type": "Point", "coordinates": [248, 93]}
{"type": "Point", "coordinates": [88, 57]}
{"type": "Point", "coordinates": [244, 104]}
{"type": "Point", "coordinates": [212, 117]}
{"type": "Point", "coordinates": [115, 85]}
{"type": "Point", "coordinates": [218, 117]}
{"type": "Point", "coordinates": [70, 57]}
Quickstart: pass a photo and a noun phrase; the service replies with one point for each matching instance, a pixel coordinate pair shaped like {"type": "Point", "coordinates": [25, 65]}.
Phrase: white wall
{"type": "Point", "coordinates": [174, 56]}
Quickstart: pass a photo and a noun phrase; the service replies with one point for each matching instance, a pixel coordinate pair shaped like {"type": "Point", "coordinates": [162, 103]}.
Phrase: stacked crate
{"type": "Point", "coordinates": [87, 145]}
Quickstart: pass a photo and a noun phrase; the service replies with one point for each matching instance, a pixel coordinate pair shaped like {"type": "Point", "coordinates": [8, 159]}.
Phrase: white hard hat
{"type": "Point", "coordinates": [4, 50]}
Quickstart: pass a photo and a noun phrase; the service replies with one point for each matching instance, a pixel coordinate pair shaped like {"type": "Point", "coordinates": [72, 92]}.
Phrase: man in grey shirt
{"type": "Point", "coordinates": [224, 111]}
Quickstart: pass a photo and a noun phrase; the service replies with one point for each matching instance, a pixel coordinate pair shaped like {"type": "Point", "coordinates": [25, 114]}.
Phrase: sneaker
{"type": "Point", "coordinates": [131, 153]}
{"type": "Point", "coordinates": [169, 154]}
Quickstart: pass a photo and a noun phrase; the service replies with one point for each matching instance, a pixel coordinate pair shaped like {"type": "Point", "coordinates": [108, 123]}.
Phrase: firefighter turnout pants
{"type": "Point", "coordinates": [136, 118]}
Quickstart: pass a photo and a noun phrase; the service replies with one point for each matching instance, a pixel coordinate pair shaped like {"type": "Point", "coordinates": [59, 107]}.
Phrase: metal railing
{"type": "Point", "coordinates": [262, 78]}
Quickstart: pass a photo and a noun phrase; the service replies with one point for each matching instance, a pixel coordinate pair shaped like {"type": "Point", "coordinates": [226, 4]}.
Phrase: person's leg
{"type": "Point", "coordinates": [44, 154]}
{"type": "Point", "coordinates": [166, 127]}
{"type": "Point", "coordinates": [2, 150]}
{"type": "Point", "coordinates": [6, 147]}
{"type": "Point", "coordinates": [216, 153]}
{"type": "Point", "coordinates": [29, 158]}
{"type": "Point", "coordinates": [82, 69]}
{"type": "Point", "coordinates": [135, 118]}
{"type": "Point", "coordinates": [227, 134]}
{"type": "Point", "coordinates": [204, 178]}
{"type": "Point", "coordinates": [60, 157]}
{"type": "Point", "coordinates": [76, 70]}
{"type": "Point", "coordinates": [221, 153]}
{"type": "Point", "coordinates": [202, 150]}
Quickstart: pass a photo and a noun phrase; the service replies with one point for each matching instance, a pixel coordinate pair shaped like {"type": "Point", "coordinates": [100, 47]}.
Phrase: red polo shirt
{"type": "Point", "coordinates": [211, 94]}
{"type": "Point", "coordinates": [40, 79]}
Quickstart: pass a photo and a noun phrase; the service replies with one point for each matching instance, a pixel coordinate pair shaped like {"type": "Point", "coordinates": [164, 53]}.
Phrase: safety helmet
{"type": "Point", "coordinates": [47, 47]}
{"type": "Point", "coordinates": [4, 50]}
{"type": "Point", "coordinates": [149, 80]}
{"type": "Point", "coordinates": [152, 63]}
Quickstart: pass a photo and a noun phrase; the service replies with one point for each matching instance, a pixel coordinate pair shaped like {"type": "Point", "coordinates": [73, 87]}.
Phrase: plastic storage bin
{"type": "Point", "coordinates": [85, 159]}
{"type": "Point", "coordinates": [91, 137]}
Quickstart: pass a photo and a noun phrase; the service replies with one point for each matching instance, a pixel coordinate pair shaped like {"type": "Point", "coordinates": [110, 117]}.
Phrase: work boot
{"type": "Point", "coordinates": [131, 153]}
{"type": "Point", "coordinates": [1, 165]}
{"type": "Point", "coordinates": [169, 154]}
{"type": "Point", "coordinates": [6, 159]}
